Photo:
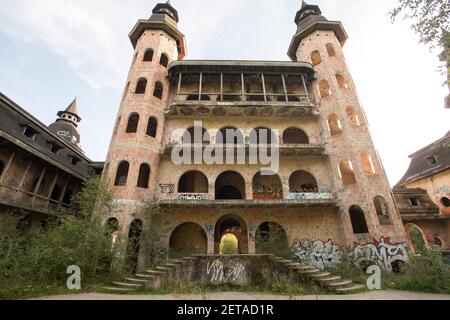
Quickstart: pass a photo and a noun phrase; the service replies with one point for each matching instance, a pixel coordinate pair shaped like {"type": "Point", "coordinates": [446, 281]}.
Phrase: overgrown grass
{"type": "Point", "coordinates": [425, 273]}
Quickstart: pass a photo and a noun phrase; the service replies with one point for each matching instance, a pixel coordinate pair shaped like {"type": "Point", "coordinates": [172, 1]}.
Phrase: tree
{"type": "Point", "coordinates": [431, 18]}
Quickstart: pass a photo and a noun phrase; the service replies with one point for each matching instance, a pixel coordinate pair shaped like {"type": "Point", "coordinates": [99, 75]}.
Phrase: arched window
{"type": "Point", "coordinates": [324, 89]}
{"type": "Point", "coordinates": [341, 81]}
{"type": "Point", "coordinates": [159, 90]}
{"type": "Point", "coordinates": [144, 176]}
{"type": "Point", "coordinates": [358, 220]}
{"type": "Point", "coordinates": [148, 55]}
{"type": "Point", "coordinates": [295, 136]}
{"type": "Point", "coordinates": [303, 182]}
{"type": "Point", "coordinates": [346, 171]}
{"type": "Point", "coordinates": [367, 163]}
{"type": "Point", "coordinates": [353, 117]}
{"type": "Point", "coordinates": [112, 230]}
{"type": "Point", "coordinates": [316, 58]}
{"type": "Point", "coordinates": [382, 210]}
{"type": "Point", "coordinates": [267, 187]}
{"type": "Point", "coordinates": [193, 182]}
{"type": "Point", "coordinates": [271, 238]}
{"type": "Point", "coordinates": [262, 135]}
{"type": "Point", "coordinates": [141, 86]}
{"type": "Point", "coordinates": [133, 123]}
{"type": "Point", "coordinates": [189, 136]}
{"type": "Point", "coordinates": [445, 202]}
{"type": "Point", "coordinates": [334, 124]}
{"type": "Point", "coordinates": [152, 127]}
{"type": "Point", "coordinates": [56, 193]}
{"type": "Point", "coordinates": [197, 244]}
{"type": "Point", "coordinates": [330, 50]}
{"type": "Point", "coordinates": [230, 186]}
{"type": "Point", "coordinates": [2, 167]}
{"type": "Point", "coordinates": [122, 174]}
{"type": "Point", "coordinates": [164, 61]}
{"type": "Point", "coordinates": [116, 128]}
{"type": "Point", "coordinates": [229, 135]}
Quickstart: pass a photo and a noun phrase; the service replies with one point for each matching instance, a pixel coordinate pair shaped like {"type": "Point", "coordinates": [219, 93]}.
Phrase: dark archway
{"type": "Point", "coordinates": [164, 61]}
{"type": "Point", "coordinates": [235, 225]}
{"type": "Point", "coordinates": [141, 86]}
{"type": "Point", "coordinates": [267, 187]}
{"type": "Point", "coordinates": [230, 185]}
{"type": "Point", "coordinates": [262, 135]}
{"type": "Point", "coordinates": [188, 239]}
{"type": "Point", "coordinates": [358, 219]}
{"type": "Point", "coordinates": [144, 176]}
{"type": "Point", "coordinates": [122, 174]}
{"type": "Point", "coordinates": [152, 127]}
{"type": "Point", "coordinates": [295, 136]}
{"type": "Point", "coordinates": [193, 182]}
{"type": "Point", "coordinates": [189, 136]}
{"type": "Point", "coordinates": [133, 245]}
{"type": "Point", "coordinates": [303, 182]}
{"type": "Point", "coordinates": [271, 238]}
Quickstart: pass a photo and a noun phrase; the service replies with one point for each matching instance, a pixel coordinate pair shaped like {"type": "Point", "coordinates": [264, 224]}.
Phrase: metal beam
{"type": "Point", "coordinates": [264, 87]}
{"type": "Point", "coordinates": [284, 87]}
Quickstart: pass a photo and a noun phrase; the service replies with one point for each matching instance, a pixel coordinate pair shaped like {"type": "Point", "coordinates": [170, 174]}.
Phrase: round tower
{"type": "Point", "coordinates": [66, 126]}
{"type": "Point", "coordinates": [132, 161]}
{"type": "Point", "coordinates": [366, 202]}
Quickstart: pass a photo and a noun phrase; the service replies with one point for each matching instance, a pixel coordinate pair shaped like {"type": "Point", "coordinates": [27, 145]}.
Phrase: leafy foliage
{"type": "Point", "coordinates": [430, 18]}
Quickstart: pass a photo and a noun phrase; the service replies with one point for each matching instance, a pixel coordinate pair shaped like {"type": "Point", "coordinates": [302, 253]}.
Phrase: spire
{"type": "Point", "coordinates": [166, 9]}
{"type": "Point", "coordinates": [71, 110]}
{"type": "Point", "coordinates": [307, 10]}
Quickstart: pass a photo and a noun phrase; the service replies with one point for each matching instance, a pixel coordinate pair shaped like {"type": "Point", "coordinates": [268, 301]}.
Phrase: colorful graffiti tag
{"type": "Point", "coordinates": [322, 255]}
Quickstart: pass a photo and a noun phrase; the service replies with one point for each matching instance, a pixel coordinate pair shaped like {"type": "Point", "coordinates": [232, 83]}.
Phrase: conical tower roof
{"type": "Point", "coordinates": [71, 109]}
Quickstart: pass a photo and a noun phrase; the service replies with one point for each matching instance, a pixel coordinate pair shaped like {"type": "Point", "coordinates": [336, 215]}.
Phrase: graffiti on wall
{"type": "Point", "coordinates": [439, 194]}
{"type": "Point", "coordinates": [167, 188]}
{"type": "Point", "coordinates": [318, 254]}
{"type": "Point", "coordinates": [273, 192]}
{"type": "Point", "coordinates": [193, 197]}
{"type": "Point", "coordinates": [310, 196]}
{"type": "Point", "coordinates": [383, 253]}
{"type": "Point", "coordinates": [221, 273]}
{"type": "Point", "coordinates": [322, 255]}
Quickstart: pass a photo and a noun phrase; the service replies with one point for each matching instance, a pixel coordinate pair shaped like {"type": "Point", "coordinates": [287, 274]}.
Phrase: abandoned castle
{"type": "Point", "coordinates": [328, 191]}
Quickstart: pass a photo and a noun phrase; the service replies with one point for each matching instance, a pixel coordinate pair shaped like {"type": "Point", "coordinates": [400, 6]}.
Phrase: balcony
{"type": "Point", "coordinates": [294, 200]}
{"type": "Point", "coordinates": [241, 89]}
{"type": "Point", "coordinates": [287, 150]}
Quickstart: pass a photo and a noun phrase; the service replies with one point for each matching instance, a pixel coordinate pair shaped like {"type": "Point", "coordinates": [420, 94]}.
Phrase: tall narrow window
{"type": "Point", "coordinates": [122, 174]}
{"type": "Point", "coordinates": [367, 163]}
{"type": "Point", "coordinates": [164, 61]}
{"type": "Point", "coordinates": [342, 82]}
{"type": "Point", "coordinates": [347, 174]}
{"type": "Point", "coordinates": [152, 127]}
{"type": "Point", "coordinates": [358, 220]}
{"type": "Point", "coordinates": [133, 123]}
{"type": "Point", "coordinates": [382, 210]}
{"type": "Point", "coordinates": [141, 86]}
{"type": "Point", "coordinates": [159, 90]}
{"type": "Point", "coordinates": [353, 117]}
{"type": "Point", "coordinates": [148, 55]}
{"type": "Point", "coordinates": [144, 176]}
{"type": "Point", "coordinates": [330, 50]}
{"type": "Point", "coordinates": [2, 167]}
{"type": "Point", "coordinates": [316, 58]}
{"type": "Point", "coordinates": [324, 89]}
{"type": "Point", "coordinates": [334, 124]}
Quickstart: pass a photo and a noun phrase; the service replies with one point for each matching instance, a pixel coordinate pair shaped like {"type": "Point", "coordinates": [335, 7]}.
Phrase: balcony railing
{"type": "Point", "coordinates": [324, 199]}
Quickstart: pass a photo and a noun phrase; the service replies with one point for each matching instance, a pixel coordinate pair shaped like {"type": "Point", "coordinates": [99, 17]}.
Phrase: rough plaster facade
{"type": "Point", "coordinates": [319, 214]}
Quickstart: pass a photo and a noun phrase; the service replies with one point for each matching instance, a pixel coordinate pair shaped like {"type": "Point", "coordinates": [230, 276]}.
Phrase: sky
{"type": "Point", "coordinates": [54, 50]}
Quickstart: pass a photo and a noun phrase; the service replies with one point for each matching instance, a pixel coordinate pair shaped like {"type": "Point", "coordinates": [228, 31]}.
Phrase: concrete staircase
{"type": "Point", "coordinates": [322, 278]}
{"type": "Point", "coordinates": [171, 272]}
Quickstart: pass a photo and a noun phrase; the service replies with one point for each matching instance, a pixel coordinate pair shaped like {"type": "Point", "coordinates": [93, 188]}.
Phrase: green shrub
{"type": "Point", "coordinates": [425, 273]}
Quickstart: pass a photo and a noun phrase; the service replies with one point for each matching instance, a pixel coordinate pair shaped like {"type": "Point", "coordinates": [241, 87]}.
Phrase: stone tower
{"type": "Point", "coordinates": [66, 126]}
{"type": "Point", "coordinates": [132, 161]}
{"type": "Point", "coordinates": [358, 176]}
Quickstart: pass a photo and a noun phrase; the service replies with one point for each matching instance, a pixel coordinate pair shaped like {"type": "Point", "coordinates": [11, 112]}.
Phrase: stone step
{"type": "Point", "coordinates": [137, 281]}
{"type": "Point", "coordinates": [145, 276]}
{"type": "Point", "coordinates": [329, 279]}
{"type": "Point", "coordinates": [320, 275]}
{"type": "Point", "coordinates": [189, 258]}
{"type": "Point", "coordinates": [171, 265]}
{"type": "Point", "coordinates": [165, 269]}
{"type": "Point", "coordinates": [340, 284]}
{"type": "Point", "coordinates": [275, 258]}
{"type": "Point", "coordinates": [301, 267]}
{"type": "Point", "coordinates": [128, 285]}
{"type": "Point", "coordinates": [293, 265]}
{"type": "Point", "coordinates": [284, 261]}
{"type": "Point", "coordinates": [154, 272]}
{"type": "Point", "coordinates": [354, 288]}
{"type": "Point", "coordinates": [117, 289]}
{"type": "Point", "coordinates": [308, 271]}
